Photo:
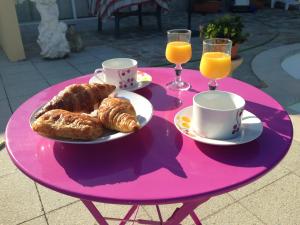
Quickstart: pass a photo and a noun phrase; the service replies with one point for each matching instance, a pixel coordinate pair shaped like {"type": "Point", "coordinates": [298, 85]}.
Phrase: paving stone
{"type": "Point", "coordinates": [59, 77]}
{"type": "Point", "coordinates": [52, 200]}
{"type": "Point", "coordinates": [105, 52]}
{"type": "Point", "coordinates": [26, 88]}
{"type": "Point", "coordinates": [150, 213]}
{"type": "Point", "coordinates": [80, 58]}
{"type": "Point", "coordinates": [270, 177]}
{"type": "Point", "coordinates": [88, 68]}
{"type": "Point", "coordinates": [278, 203]}
{"type": "Point", "coordinates": [74, 214]}
{"type": "Point", "coordinates": [15, 102]}
{"type": "Point", "coordinates": [37, 221]}
{"type": "Point", "coordinates": [2, 90]}
{"type": "Point", "coordinates": [295, 107]}
{"type": "Point", "coordinates": [7, 166]}
{"type": "Point", "coordinates": [17, 68]}
{"type": "Point", "coordinates": [296, 125]}
{"type": "Point", "coordinates": [19, 201]}
{"type": "Point", "coordinates": [291, 160]}
{"type": "Point", "coordinates": [19, 78]}
{"type": "Point", "coordinates": [5, 114]}
{"type": "Point", "coordinates": [297, 172]}
{"type": "Point", "coordinates": [50, 65]}
{"type": "Point", "coordinates": [233, 215]}
{"type": "Point", "coordinates": [214, 205]}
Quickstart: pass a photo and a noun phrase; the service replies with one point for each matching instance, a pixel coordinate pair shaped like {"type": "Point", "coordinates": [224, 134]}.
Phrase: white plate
{"type": "Point", "coordinates": [143, 80]}
{"type": "Point", "coordinates": [251, 128]}
{"type": "Point", "coordinates": [142, 106]}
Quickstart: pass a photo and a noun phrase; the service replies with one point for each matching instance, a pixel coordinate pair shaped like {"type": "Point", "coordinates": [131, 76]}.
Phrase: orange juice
{"type": "Point", "coordinates": [178, 52]}
{"type": "Point", "coordinates": [215, 65]}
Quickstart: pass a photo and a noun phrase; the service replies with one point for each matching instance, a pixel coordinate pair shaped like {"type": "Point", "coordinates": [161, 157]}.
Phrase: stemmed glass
{"type": "Point", "coordinates": [216, 60]}
{"type": "Point", "coordinates": [178, 51]}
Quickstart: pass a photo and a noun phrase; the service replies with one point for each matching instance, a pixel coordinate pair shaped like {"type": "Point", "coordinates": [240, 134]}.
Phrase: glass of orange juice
{"type": "Point", "coordinates": [178, 51]}
{"type": "Point", "coordinates": [216, 60]}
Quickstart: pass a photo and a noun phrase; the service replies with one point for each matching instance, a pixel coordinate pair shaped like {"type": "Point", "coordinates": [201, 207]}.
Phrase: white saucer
{"type": "Point", "coordinates": [251, 128]}
{"type": "Point", "coordinates": [143, 80]}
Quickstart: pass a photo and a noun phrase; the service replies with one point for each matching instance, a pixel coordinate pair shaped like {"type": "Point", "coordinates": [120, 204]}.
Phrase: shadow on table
{"type": "Point", "coordinates": [265, 151]}
{"type": "Point", "coordinates": [159, 97]}
{"type": "Point", "coordinates": [125, 159]}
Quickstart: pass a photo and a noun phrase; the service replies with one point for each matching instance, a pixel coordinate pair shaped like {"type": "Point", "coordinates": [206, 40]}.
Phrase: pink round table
{"type": "Point", "coordinates": [157, 164]}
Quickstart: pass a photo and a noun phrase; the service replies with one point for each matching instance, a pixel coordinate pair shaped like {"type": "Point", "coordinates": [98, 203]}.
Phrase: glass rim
{"type": "Point", "coordinates": [205, 41]}
{"type": "Point", "coordinates": [179, 31]}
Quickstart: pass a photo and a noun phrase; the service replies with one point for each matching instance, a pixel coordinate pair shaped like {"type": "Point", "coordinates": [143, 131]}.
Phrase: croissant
{"type": "Point", "coordinates": [118, 114]}
{"type": "Point", "coordinates": [58, 123]}
{"type": "Point", "coordinates": [78, 98]}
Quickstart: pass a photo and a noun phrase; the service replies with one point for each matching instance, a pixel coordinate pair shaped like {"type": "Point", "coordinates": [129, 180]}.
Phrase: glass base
{"type": "Point", "coordinates": [178, 86]}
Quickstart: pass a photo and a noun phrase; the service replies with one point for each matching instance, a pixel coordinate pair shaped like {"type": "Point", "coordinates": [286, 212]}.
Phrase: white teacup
{"type": "Point", "coordinates": [121, 72]}
{"type": "Point", "coordinates": [217, 114]}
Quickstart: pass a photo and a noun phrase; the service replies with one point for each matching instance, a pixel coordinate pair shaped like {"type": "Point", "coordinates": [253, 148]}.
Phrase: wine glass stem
{"type": "Point", "coordinates": [178, 70]}
{"type": "Point", "coordinates": [212, 84]}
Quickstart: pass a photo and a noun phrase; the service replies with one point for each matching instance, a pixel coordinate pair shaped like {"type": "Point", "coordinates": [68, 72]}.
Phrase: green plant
{"type": "Point", "coordinates": [227, 26]}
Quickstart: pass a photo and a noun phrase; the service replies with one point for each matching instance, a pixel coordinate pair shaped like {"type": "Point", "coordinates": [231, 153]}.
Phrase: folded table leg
{"type": "Point", "coordinates": [179, 214]}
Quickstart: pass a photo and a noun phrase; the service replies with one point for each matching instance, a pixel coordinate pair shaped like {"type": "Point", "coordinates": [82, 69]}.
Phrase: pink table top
{"type": "Point", "coordinates": [157, 164]}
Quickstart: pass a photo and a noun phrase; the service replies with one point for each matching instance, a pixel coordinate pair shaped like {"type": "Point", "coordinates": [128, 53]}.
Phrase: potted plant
{"type": "Point", "coordinates": [227, 26]}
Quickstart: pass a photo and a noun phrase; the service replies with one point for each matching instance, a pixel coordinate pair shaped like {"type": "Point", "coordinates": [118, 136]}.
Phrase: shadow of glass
{"type": "Point", "coordinates": [123, 160]}
{"type": "Point", "coordinates": [159, 98]}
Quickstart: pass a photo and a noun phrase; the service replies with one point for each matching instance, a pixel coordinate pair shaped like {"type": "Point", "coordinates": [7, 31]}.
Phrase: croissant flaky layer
{"type": "Point", "coordinates": [118, 114]}
{"type": "Point", "coordinates": [58, 123]}
{"type": "Point", "coordinates": [78, 98]}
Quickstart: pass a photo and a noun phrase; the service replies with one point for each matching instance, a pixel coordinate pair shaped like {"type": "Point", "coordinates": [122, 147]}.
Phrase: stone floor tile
{"type": "Point", "coordinates": [49, 65]}
{"type": "Point", "coordinates": [17, 68]}
{"type": "Point", "coordinates": [113, 211]}
{"type": "Point", "coordinates": [36, 221]}
{"type": "Point", "coordinates": [278, 203]}
{"type": "Point", "coordinates": [54, 79]}
{"type": "Point", "coordinates": [150, 213]}
{"type": "Point", "coordinates": [6, 165]}
{"type": "Point", "coordinates": [80, 58]}
{"type": "Point", "coordinates": [295, 107]}
{"type": "Point", "coordinates": [105, 52]}
{"type": "Point", "coordinates": [25, 88]}
{"type": "Point", "coordinates": [12, 79]}
{"type": "Point", "coordinates": [291, 160]}
{"type": "Point", "coordinates": [270, 177]}
{"type": "Point", "coordinates": [2, 90]}
{"type": "Point", "coordinates": [296, 125]}
{"type": "Point", "coordinates": [15, 102]}
{"type": "Point", "coordinates": [233, 215]}
{"type": "Point", "coordinates": [74, 214]}
{"type": "Point", "coordinates": [214, 205]}
{"type": "Point", "coordinates": [56, 71]}
{"type": "Point", "coordinates": [88, 68]}
{"type": "Point", "coordinates": [19, 200]}
{"type": "Point", "coordinates": [297, 172]}
{"type": "Point", "coordinates": [52, 200]}
{"type": "Point", "coordinates": [5, 114]}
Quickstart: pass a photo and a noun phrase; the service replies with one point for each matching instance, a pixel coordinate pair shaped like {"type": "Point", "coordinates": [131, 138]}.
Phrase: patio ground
{"type": "Point", "coordinates": [273, 199]}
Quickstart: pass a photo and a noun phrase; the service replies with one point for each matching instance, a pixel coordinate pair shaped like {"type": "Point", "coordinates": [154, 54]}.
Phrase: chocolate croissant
{"type": "Point", "coordinates": [58, 123]}
{"type": "Point", "coordinates": [118, 114]}
{"type": "Point", "coordinates": [78, 98]}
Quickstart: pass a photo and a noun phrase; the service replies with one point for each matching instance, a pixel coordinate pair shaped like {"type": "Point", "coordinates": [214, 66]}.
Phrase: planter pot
{"type": "Point", "coordinates": [234, 51]}
{"type": "Point", "coordinates": [211, 6]}
{"type": "Point", "coordinates": [258, 4]}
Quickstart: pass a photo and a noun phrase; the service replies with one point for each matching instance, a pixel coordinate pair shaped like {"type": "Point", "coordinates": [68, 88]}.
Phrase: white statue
{"type": "Point", "coordinates": [52, 33]}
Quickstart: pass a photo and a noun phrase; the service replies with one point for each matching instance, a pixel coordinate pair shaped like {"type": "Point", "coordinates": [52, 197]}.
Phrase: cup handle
{"type": "Point", "coordinates": [96, 72]}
